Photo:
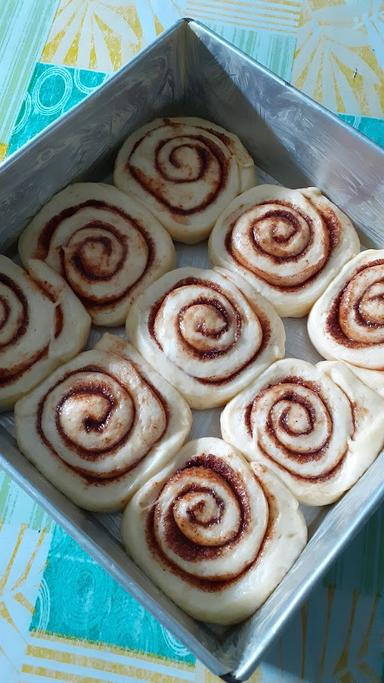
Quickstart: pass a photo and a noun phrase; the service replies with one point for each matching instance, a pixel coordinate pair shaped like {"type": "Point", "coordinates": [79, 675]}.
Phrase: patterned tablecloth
{"type": "Point", "coordinates": [62, 618]}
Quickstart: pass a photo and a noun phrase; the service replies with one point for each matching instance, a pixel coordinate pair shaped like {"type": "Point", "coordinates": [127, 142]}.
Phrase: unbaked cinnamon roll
{"type": "Point", "coordinates": [373, 378]}
{"type": "Point", "coordinates": [317, 427]}
{"type": "Point", "coordinates": [207, 335]}
{"type": "Point", "coordinates": [215, 533]}
{"type": "Point", "coordinates": [101, 425]}
{"type": "Point", "coordinates": [42, 324]}
{"type": "Point", "coordinates": [288, 244]}
{"type": "Point", "coordinates": [186, 170]}
{"type": "Point", "coordinates": [107, 246]}
{"type": "Point", "coordinates": [347, 322]}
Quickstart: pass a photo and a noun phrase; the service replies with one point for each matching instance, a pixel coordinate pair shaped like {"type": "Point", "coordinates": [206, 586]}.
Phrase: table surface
{"type": "Point", "coordinates": [62, 618]}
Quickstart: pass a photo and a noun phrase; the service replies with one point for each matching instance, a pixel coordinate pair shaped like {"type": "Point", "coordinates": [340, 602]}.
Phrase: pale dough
{"type": "Point", "coordinates": [208, 334]}
{"type": "Point", "coordinates": [42, 324]}
{"type": "Point", "coordinates": [347, 322]}
{"type": "Point", "coordinates": [215, 533]}
{"type": "Point", "coordinates": [317, 427]}
{"type": "Point", "coordinates": [101, 425]}
{"type": "Point", "coordinates": [106, 245]}
{"type": "Point", "coordinates": [186, 170]}
{"type": "Point", "coordinates": [288, 244]}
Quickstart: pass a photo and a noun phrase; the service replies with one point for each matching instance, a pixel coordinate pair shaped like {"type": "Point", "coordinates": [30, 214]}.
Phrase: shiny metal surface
{"type": "Point", "coordinates": [293, 139]}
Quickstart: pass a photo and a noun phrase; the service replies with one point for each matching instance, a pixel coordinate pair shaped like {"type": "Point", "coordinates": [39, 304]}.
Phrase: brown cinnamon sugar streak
{"type": "Point", "coordinates": [232, 317]}
{"type": "Point", "coordinates": [48, 231]}
{"type": "Point", "coordinates": [212, 467]}
{"type": "Point", "coordinates": [78, 261]}
{"type": "Point", "coordinates": [310, 455]}
{"type": "Point", "coordinates": [10, 375]}
{"type": "Point", "coordinates": [91, 424]}
{"type": "Point", "coordinates": [332, 323]}
{"type": "Point", "coordinates": [23, 320]}
{"type": "Point", "coordinates": [206, 149]}
{"type": "Point", "coordinates": [287, 214]}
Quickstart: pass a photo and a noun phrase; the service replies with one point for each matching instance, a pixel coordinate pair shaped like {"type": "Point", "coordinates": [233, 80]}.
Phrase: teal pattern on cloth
{"type": "Point", "coordinates": [370, 127]}
{"type": "Point", "coordinates": [53, 90]}
{"type": "Point", "coordinates": [24, 28]}
{"type": "Point", "coordinates": [79, 599]}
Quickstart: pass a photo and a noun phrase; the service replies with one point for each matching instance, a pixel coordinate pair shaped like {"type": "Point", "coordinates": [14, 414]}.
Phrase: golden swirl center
{"type": "Point", "coordinates": [200, 512]}
{"type": "Point", "coordinates": [291, 419]}
{"type": "Point", "coordinates": [96, 252]}
{"type": "Point", "coordinates": [184, 159]}
{"type": "Point", "coordinates": [281, 233]}
{"type": "Point", "coordinates": [207, 322]}
{"type": "Point", "coordinates": [94, 416]}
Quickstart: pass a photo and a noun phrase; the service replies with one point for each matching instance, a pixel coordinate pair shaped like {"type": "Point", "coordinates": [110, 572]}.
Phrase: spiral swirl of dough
{"type": "Point", "coordinates": [42, 324]}
{"type": "Point", "coordinates": [102, 424]}
{"type": "Point", "coordinates": [107, 246]}
{"type": "Point", "coordinates": [208, 526]}
{"type": "Point", "coordinates": [206, 335]}
{"type": "Point", "coordinates": [347, 322]}
{"type": "Point", "coordinates": [186, 170]}
{"type": "Point", "coordinates": [317, 427]}
{"type": "Point", "coordinates": [287, 243]}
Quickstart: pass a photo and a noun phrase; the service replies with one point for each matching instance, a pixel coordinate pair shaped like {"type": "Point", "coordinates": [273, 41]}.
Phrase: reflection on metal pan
{"type": "Point", "coordinates": [190, 70]}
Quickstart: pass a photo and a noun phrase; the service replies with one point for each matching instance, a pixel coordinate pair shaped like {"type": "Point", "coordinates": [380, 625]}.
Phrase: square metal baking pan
{"type": "Point", "coordinates": [192, 71]}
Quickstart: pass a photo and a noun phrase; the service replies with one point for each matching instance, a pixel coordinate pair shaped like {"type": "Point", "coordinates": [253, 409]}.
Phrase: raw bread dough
{"type": "Point", "coordinates": [214, 532]}
{"type": "Point", "coordinates": [106, 245]}
{"type": "Point", "coordinates": [42, 324]}
{"type": "Point", "coordinates": [101, 425]}
{"type": "Point", "coordinates": [347, 322]}
{"type": "Point", "coordinates": [288, 244]}
{"type": "Point", "coordinates": [186, 170]}
{"type": "Point", "coordinates": [207, 332]}
{"type": "Point", "coordinates": [317, 427]}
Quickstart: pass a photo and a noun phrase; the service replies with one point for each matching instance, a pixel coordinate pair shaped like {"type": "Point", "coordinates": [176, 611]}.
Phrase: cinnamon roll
{"type": "Point", "coordinates": [107, 246]}
{"type": "Point", "coordinates": [207, 335]}
{"type": "Point", "coordinates": [373, 378]}
{"type": "Point", "coordinates": [288, 244]}
{"type": "Point", "coordinates": [42, 324]}
{"type": "Point", "coordinates": [347, 322]}
{"type": "Point", "coordinates": [101, 425]}
{"type": "Point", "coordinates": [186, 170]}
{"type": "Point", "coordinates": [317, 427]}
{"type": "Point", "coordinates": [215, 533]}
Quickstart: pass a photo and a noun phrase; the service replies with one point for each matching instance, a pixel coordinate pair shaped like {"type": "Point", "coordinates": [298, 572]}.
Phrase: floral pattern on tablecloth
{"type": "Point", "coordinates": [62, 617]}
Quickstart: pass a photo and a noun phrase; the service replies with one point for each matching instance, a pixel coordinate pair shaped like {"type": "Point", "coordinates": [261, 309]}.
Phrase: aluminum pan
{"type": "Point", "coordinates": [82, 143]}
{"type": "Point", "coordinates": [290, 136]}
{"type": "Point", "coordinates": [190, 69]}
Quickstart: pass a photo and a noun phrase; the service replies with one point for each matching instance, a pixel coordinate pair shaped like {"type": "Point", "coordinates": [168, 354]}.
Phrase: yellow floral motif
{"type": "Point", "coordinates": [339, 58]}
{"type": "Point", "coordinates": [67, 659]}
{"type": "Point", "coordinates": [21, 567]}
{"type": "Point", "coordinates": [105, 34]}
